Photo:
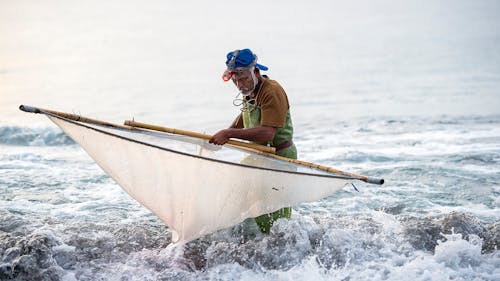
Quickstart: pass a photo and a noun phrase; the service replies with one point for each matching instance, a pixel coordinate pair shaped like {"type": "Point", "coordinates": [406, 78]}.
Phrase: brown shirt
{"type": "Point", "coordinates": [273, 103]}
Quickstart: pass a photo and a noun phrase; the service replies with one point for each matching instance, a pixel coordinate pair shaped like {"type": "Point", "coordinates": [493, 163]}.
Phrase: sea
{"type": "Point", "coordinates": [407, 91]}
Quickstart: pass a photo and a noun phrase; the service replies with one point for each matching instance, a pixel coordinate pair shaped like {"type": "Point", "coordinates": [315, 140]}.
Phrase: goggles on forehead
{"type": "Point", "coordinates": [228, 74]}
{"type": "Point", "coordinates": [232, 69]}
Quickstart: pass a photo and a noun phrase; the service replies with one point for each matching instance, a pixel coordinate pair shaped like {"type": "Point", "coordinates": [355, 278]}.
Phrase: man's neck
{"type": "Point", "coordinates": [256, 91]}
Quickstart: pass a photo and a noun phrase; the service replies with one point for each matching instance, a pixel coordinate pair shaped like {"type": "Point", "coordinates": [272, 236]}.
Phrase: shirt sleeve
{"type": "Point", "coordinates": [237, 123]}
{"type": "Point", "coordinates": [274, 106]}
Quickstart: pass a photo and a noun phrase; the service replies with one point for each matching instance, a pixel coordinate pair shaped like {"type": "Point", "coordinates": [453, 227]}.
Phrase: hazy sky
{"type": "Point", "coordinates": [387, 57]}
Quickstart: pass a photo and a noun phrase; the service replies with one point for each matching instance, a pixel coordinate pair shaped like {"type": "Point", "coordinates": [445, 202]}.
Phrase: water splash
{"type": "Point", "coordinates": [380, 248]}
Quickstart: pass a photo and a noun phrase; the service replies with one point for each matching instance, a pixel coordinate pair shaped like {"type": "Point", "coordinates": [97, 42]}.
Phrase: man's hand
{"type": "Point", "coordinates": [221, 137]}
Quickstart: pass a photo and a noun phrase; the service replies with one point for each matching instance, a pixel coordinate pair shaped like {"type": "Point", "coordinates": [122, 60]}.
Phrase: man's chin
{"type": "Point", "coordinates": [245, 93]}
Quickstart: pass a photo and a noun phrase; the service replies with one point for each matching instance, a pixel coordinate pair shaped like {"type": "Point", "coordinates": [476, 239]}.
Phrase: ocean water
{"type": "Point", "coordinates": [406, 91]}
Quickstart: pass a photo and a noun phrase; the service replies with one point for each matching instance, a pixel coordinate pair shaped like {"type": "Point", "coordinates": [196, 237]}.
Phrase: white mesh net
{"type": "Point", "coordinates": [197, 188]}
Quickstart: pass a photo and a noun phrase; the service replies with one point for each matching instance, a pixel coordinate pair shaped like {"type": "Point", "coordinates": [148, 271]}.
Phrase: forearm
{"type": "Point", "coordinates": [257, 134]}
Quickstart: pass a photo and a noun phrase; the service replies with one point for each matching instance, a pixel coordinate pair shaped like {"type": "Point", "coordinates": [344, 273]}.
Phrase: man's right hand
{"type": "Point", "coordinates": [221, 137]}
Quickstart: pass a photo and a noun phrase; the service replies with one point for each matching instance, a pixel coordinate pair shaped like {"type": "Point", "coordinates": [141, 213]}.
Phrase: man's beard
{"type": "Point", "coordinates": [247, 92]}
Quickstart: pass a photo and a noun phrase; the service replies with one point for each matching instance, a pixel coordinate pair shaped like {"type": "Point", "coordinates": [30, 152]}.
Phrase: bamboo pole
{"type": "Point", "coordinates": [70, 116]}
{"type": "Point", "coordinates": [257, 149]}
{"type": "Point", "coordinates": [241, 144]}
{"type": "Point", "coordinates": [134, 125]}
{"type": "Point", "coordinates": [324, 168]}
{"type": "Point", "coordinates": [269, 151]}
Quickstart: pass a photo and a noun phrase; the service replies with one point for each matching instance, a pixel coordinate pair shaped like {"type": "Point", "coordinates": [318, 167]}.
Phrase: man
{"type": "Point", "coordinates": [265, 117]}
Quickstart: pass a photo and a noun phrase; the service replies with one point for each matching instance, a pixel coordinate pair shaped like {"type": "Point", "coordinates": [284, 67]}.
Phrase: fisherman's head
{"type": "Point", "coordinates": [242, 68]}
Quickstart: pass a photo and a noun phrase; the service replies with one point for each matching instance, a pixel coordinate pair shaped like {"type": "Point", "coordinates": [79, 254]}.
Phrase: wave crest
{"type": "Point", "coordinates": [22, 136]}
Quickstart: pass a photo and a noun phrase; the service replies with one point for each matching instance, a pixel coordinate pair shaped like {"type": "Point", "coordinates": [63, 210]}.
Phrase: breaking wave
{"type": "Point", "coordinates": [382, 247]}
{"type": "Point", "coordinates": [22, 136]}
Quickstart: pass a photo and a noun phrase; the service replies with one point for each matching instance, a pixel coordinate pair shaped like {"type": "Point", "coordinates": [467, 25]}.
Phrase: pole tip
{"type": "Point", "coordinates": [375, 181]}
{"type": "Point", "coordinates": [28, 108]}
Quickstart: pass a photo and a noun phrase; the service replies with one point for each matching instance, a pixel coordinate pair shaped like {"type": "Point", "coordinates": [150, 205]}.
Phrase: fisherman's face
{"type": "Point", "coordinates": [243, 81]}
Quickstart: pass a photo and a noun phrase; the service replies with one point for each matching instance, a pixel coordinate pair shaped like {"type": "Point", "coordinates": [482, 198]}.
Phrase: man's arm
{"type": "Point", "coordinates": [257, 134]}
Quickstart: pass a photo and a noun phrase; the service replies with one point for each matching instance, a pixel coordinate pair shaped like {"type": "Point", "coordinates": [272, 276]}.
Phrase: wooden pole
{"type": "Point", "coordinates": [70, 116]}
{"type": "Point", "coordinates": [260, 149]}
{"type": "Point", "coordinates": [324, 168]}
{"type": "Point", "coordinates": [241, 144]}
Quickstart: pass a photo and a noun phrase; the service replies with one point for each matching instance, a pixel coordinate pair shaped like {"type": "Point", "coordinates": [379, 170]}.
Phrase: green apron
{"type": "Point", "coordinates": [251, 118]}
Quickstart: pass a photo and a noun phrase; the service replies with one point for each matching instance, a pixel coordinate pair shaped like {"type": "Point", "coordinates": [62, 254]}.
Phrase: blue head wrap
{"type": "Point", "coordinates": [243, 59]}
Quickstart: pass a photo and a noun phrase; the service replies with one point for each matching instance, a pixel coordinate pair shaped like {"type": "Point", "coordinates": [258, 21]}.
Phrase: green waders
{"type": "Point", "coordinates": [251, 118]}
